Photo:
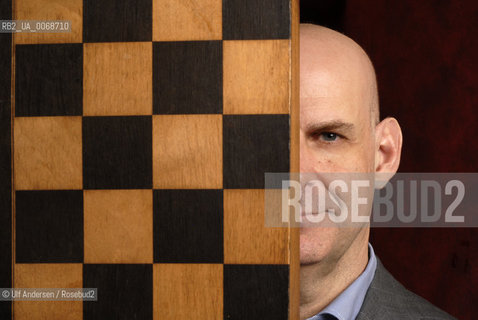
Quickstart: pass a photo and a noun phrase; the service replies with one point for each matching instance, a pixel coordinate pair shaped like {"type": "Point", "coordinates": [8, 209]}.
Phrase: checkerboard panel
{"type": "Point", "coordinates": [187, 77]}
{"type": "Point", "coordinates": [264, 136]}
{"type": "Point", "coordinates": [256, 291]}
{"type": "Point", "coordinates": [117, 79]}
{"type": "Point", "coordinates": [202, 282]}
{"type": "Point", "coordinates": [117, 152]}
{"type": "Point", "coordinates": [48, 275]}
{"type": "Point", "coordinates": [118, 226]}
{"type": "Point", "coordinates": [252, 68]}
{"type": "Point", "coordinates": [125, 291]}
{"type": "Point", "coordinates": [69, 10]}
{"type": "Point", "coordinates": [117, 20]}
{"type": "Point", "coordinates": [140, 143]}
{"type": "Point", "coordinates": [188, 226]}
{"type": "Point", "coordinates": [48, 80]}
{"type": "Point", "coordinates": [187, 151]}
{"type": "Point", "coordinates": [49, 226]}
{"type": "Point", "coordinates": [246, 239]}
{"type": "Point", "coordinates": [47, 153]}
{"type": "Point", "coordinates": [251, 19]}
{"type": "Point", "coordinates": [186, 20]}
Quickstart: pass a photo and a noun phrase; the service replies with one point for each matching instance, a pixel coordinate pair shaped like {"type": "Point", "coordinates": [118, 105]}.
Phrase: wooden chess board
{"type": "Point", "coordinates": [138, 147]}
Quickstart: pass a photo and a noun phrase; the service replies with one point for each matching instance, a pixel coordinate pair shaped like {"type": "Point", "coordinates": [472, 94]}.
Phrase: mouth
{"type": "Point", "coordinates": [304, 213]}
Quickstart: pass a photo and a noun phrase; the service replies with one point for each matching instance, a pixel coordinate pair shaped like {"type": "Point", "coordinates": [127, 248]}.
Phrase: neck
{"type": "Point", "coordinates": [322, 282]}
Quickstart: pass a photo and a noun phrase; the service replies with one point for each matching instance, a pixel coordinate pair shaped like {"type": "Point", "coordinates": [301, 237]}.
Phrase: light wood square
{"type": "Point", "coordinates": [179, 20]}
{"type": "Point", "coordinates": [117, 79]}
{"type": "Point", "coordinates": [256, 77]}
{"type": "Point", "coordinates": [47, 153]}
{"type": "Point", "coordinates": [49, 275]}
{"type": "Point", "coordinates": [118, 226]}
{"type": "Point", "coordinates": [246, 239]}
{"type": "Point", "coordinates": [48, 10]}
{"type": "Point", "coordinates": [187, 151]}
{"type": "Point", "coordinates": [182, 291]}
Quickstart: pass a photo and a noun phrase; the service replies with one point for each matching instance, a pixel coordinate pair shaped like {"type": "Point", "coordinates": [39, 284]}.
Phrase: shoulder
{"type": "Point", "coordinates": [386, 298]}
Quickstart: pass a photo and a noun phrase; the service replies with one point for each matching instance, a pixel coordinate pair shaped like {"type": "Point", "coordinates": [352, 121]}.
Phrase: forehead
{"type": "Point", "coordinates": [328, 97]}
{"type": "Point", "coordinates": [333, 84]}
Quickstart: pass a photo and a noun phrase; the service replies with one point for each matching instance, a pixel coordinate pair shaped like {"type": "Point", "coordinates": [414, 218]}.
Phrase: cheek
{"type": "Point", "coordinates": [360, 160]}
{"type": "Point", "coordinates": [348, 159]}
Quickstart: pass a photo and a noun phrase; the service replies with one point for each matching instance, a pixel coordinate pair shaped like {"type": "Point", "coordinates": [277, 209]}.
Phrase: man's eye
{"type": "Point", "coordinates": [329, 136]}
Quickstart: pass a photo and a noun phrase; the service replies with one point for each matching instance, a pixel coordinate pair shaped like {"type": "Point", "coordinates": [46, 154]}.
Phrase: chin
{"type": "Point", "coordinates": [316, 244]}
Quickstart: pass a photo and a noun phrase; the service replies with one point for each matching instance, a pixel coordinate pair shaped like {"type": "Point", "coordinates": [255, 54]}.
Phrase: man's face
{"type": "Point", "coordinates": [336, 132]}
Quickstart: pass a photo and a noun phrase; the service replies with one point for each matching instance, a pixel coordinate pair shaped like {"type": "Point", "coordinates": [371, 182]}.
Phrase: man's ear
{"type": "Point", "coordinates": [388, 147]}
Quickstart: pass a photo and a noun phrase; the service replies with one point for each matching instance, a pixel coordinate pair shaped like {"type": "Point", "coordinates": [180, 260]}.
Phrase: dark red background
{"type": "Point", "coordinates": [425, 56]}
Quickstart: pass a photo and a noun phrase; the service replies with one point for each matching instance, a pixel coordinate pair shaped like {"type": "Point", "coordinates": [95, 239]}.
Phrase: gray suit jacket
{"type": "Point", "coordinates": [387, 299]}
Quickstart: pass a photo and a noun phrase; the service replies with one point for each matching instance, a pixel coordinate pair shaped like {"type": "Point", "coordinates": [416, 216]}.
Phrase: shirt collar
{"type": "Point", "coordinates": [347, 305]}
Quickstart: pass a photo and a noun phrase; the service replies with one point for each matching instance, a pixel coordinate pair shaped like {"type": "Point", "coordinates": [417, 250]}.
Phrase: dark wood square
{"type": "Point", "coordinates": [187, 77]}
{"type": "Point", "coordinates": [117, 20]}
{"type": "Point", "coordinates": [117, 152]}
{"type": "Point", "coordinates": [49, 80]}
{"type": "Point", "coordinates": [254, 145]}
{"type": "Point", "coordinates": [252, 19]}
{"type": "Point", "coordinates": [256, 292]}
{"type": "Point", "coordinates": [188, 226]}
{"type": "Point", "coordinates": [49, 226]}
{"type": "Point", "coordinates": [125, 291]}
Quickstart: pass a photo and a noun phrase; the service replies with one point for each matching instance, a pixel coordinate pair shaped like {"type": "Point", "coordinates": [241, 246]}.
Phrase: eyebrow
{"type": "Point", "coordinates": [335, 125]}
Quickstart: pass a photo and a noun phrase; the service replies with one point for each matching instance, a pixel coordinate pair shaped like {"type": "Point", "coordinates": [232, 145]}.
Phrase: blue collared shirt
{"type": "Point", "coordinates": [347, 305]}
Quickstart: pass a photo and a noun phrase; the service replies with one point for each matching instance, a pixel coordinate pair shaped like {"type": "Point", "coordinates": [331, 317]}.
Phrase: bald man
{"type": "Point", "coordinates": [341, 278]}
